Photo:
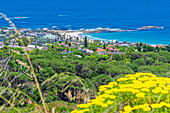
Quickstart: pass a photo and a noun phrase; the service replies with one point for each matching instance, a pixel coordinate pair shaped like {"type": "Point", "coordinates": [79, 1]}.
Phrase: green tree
{"type": "Point", "coordinates": [104, 57]}
{"type": "Point", "coordinates": [134, 55]}
{"type": "Point", "coordinates": [165, 55]}
{"type": "Point", "coordinates": [104, 46]}
{"type": "Point", "coordinates": [139, 62]}
{"type": "Point", "coordinates": [101, 80]}
{"type": "Point", "coordinates": [66, 41]}
{"type": "Point", "coordinates": [122, 49]}
{"type": "Point", "coordinates": [40, 44]}
{"type": "Point", "coordinates": [141, 44]}
{"type": "Point", "coordinates": [93, 46]}
{"type": "Point", "coordinates": [149, 61]}
{"type": "Point", "coordinates": [18, 49]}
{"type": "Point", "coordinates": [131, 49]}
{"type": "Point", "coordinates": [118, 57]}
{"type": "Point", "coordinates": [85, 42]}
{"type": "Point", "coordinates": [69, 44]}
{"type": "Point", "coordinates": [77, 39]}
{"type": "Point", "coordinates": [138, 48]}
{"type": "Point", "coordinates": [6, 43]}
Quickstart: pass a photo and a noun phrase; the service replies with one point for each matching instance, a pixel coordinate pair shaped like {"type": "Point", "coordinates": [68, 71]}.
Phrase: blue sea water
{"type": "Point", "coordinates": [77, 14]}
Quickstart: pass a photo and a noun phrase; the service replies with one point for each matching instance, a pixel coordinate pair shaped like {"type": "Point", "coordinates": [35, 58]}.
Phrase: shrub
{"type": "Point", "coordinates": [62, 109]}
{"type": "Point", "coordinates": [118, 57]}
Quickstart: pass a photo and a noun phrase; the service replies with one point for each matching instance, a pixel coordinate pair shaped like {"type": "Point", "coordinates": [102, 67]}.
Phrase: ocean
{"type": "Point", "coordinates": [89, 14]}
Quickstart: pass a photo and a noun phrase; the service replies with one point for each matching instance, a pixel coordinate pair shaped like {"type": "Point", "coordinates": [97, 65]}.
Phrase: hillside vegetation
{"type": "Point", "coordinates": [138, 93]}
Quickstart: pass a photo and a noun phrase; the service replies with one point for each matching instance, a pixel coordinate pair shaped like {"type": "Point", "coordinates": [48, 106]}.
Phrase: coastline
{"type": "Point", "coordinates": [80, 34]}
{"type": "Point", "coordinates": [101, 32]}
{"type": "Point", "coordinates": [134, 37]}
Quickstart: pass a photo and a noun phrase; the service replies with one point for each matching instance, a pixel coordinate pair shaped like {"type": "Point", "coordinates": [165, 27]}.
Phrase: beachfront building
{"type": "Point", "coordinates": [50, 36]}
{"type": "Point", "coordinates": [124, 45]}
{"type": "Point", "coordinates": [90, 40]}
{"type": "Point", "coordinates": [72, 36]}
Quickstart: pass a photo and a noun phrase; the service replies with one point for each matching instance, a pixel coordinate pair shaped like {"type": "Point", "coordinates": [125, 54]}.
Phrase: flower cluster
{"type": "Point", "coordinates": [145, 107]}
{"type": "Point", "coordinates": [141, 92]}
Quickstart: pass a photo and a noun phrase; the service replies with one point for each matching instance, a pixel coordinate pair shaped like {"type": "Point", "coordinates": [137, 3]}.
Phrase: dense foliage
{"type": "Point", "coordinates": [73, 79]}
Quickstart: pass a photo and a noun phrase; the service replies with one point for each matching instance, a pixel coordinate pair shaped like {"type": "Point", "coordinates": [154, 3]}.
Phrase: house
{"type": "Point", "coordinates": [2, 43]}
{"type": "Point", "coordinates": [87, 51]}
{"type": "Point", "coordinates": [100, 50]}
{"type": "Point", "coordinates": [125, 42]}
{"type": "Point", "coordinates": [2, 35]}
{"type": "Point", "coordinates": [63, 51]}
{"type": "Point", "coordinates": [130, 43]}
{"type": "Point", "coordinates": [90, 40]}
{"type": "Point", "coordinates": [124, 45]}
{"type": "Point", "coordinates": [31, 46]}
{"type": "Point", "coordinates": [43, 48]}
{"type": "Point", "coordinates": [13, 45]}
{"type": "Point", "coordinates": [110, 48]}
{"type": "Point", "coordinates": [78, 56]}
{"type": "Point", "coordinates": [116, 50]}
{"type": "Point", "coordinates": [50, 36]}
{"type": "Point", "coordinates": [67, 52]}
{"type": "Point", "coordinates": [110, 45]}
{"type": "Point", "coordinates": [79, 48]}
{"type": "Point", "coordinates": [27, 48]}
{"type": "Point", "coordinates": [117, 42]}
{"type": "Point", "coordinates": [1, 46]}
{"type": "Point", "coordinates": [13, 40]}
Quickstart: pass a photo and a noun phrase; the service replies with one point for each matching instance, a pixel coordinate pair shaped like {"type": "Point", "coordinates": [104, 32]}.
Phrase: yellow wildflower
{"type": "Point", "coordinates": [164, 91]}
{"type": "Point", "coordinates": [127, 108]}
{"type": "Point", "coordinates": [156, 105]}
{"type": "Point", "coordinates": [86, 110]}
{"type": "Point", "coordinates": [135, 107]}
{"type": "Point", "coordinates": [104, 105]}
{"type": "Point", "coordinates": [155, 91]}
{"type": "Point", "coordinates": [140, 95]}
{"type": "Point", "coordinates": [146, 108]}
{"type": "Point", "coordinates": [110, 102]}
{"type": "Point", "coordinates": [108, 91]}
{"type": "Point", "coordinates": [145, 90]}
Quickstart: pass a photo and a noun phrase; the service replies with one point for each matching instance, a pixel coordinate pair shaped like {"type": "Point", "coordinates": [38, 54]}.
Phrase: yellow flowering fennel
{"type": "Point", "coordinates": [141, 92]}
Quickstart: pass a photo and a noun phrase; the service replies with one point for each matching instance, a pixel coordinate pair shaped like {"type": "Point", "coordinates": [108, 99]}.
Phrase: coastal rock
{"type": "Point", "coordinates": [149, 27]}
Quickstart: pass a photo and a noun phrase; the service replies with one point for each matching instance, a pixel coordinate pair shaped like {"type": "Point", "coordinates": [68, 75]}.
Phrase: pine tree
{"type": "Point", "coordinates": [66, 42]}
{"type": "Point", "coordinates": [138, 48]}
{"type": "Point", "coordinates": [69, 44]}
{"type": "Point", "coordinates": [104, 46]}
{"type": "Point", "coordinates": [77, 39]}
{"type": "Point", "coordinates": [85, 42]}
